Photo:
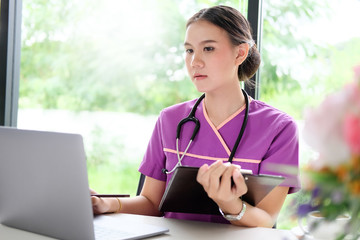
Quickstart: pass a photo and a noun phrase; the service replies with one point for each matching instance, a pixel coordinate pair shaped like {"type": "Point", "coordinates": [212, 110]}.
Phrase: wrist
{"type": "Point", "coordinates": [234, 217]}
{"type": "Point", "coordinates": [119, 206]}
{"type": "Point", "coordinates": [111, 205]}
{"type": "Point", "coordinates": [231, 207]}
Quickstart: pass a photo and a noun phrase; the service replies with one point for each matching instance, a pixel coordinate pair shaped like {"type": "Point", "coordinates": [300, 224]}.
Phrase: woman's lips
{"type": "Point", "coordinates": [199, 76]}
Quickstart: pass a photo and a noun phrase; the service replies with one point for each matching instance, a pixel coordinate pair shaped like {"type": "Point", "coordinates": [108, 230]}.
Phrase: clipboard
{"type": "Point", "coordinates": [185, 195]}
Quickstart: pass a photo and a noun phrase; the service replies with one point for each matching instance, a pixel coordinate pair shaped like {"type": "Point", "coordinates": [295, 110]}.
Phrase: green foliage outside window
{"type": "Point", "coordinates": [75, 58]}
{"type": "Point", "coordinates": [127, 59]}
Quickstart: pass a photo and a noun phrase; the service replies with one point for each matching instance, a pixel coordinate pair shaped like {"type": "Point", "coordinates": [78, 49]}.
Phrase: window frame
{"type": "Point", "coordinates": [255, 18]}
{"type": "Point", "coordinates": [10, 48]}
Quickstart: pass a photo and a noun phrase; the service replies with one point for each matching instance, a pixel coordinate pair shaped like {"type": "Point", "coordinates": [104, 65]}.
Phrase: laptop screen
{"type": "Point", "coordinates": [44, 188]}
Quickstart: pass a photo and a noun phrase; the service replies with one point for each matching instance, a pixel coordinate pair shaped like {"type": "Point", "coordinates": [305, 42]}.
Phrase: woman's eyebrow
{"type": "Point", "coordinates": [202, 42]}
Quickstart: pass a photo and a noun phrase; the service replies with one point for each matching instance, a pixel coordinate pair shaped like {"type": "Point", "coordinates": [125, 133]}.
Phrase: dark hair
{"type": "Point", "coordinates": [239, 31]}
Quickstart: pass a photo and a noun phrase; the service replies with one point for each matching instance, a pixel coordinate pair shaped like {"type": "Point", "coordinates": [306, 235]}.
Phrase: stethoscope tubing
{"type": "Point", "coordinates": [191, 117]}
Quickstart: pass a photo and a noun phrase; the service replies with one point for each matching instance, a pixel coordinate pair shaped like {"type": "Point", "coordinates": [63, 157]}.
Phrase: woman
{"type": "Point", "coordinates": [220, 52]}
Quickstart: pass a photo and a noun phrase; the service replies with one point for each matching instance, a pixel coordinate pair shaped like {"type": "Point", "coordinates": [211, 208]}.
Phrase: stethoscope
{"type": "Point", "coordinates": [191, 118]}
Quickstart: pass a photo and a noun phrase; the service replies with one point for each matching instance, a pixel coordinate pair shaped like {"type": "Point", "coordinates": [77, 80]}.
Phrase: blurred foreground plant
{"type": "Point", "coordinates": [332, 179]}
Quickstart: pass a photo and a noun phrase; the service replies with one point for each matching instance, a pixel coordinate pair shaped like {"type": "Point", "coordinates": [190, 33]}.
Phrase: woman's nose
{"type": "Point", "coordinates": [197, 61]}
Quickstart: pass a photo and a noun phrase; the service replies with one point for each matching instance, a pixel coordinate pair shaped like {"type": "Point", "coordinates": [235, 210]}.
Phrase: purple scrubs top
{"type": "Point", "coordinates": [270, 139]}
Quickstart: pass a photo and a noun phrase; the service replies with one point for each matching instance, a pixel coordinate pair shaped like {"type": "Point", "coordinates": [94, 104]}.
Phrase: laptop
{"type": "Point", "coordinates": [44, 188]}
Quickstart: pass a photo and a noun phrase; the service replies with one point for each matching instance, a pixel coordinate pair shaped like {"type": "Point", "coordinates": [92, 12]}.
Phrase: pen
{"type": "Point", "coordinates": [110, 195]}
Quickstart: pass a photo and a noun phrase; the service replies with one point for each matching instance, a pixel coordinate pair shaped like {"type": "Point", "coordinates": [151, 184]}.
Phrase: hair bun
{"type": "Point", "coordinates": [251, 64]}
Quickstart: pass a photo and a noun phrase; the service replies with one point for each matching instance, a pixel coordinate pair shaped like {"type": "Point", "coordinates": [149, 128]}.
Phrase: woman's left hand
{"type": "Point", "coordinates": [217, 182]}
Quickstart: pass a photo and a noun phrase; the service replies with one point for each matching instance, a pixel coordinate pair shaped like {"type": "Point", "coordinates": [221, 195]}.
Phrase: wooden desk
{"type": "Point", "coordinates": [179, 229]}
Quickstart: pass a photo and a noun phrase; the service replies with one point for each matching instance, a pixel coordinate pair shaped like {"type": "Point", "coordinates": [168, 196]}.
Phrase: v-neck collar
{"type": "Point", "coordinates": [216, 129]}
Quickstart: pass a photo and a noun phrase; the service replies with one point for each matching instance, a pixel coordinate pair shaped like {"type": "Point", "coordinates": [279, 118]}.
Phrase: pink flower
{"type": "Point", "coordinates": [323, 131]}
{"type": "Point", "coordinates": [333, 128]}
{"type": "Point", "coordinates": [352, 133]}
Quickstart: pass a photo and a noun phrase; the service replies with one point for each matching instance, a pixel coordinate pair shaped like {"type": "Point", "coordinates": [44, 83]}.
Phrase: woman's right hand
{"type": "Point", "coordinates": [99, 205]}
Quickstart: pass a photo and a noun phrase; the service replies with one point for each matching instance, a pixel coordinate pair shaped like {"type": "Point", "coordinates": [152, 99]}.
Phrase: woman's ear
{"type": "Point", "coordinates": [242, 53]}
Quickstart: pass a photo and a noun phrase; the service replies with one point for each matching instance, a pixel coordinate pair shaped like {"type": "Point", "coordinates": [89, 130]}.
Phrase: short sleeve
{"type": "Point", "coordinates": [154, 158]}
{"type": "Point", "coordinates": [282, 157]}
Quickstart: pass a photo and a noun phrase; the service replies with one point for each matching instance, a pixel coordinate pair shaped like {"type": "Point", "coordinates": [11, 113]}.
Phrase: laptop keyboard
{"type": "Point", "coordinates": [110, 233]}
{"type": "Point", "coordinates": [109, 228]}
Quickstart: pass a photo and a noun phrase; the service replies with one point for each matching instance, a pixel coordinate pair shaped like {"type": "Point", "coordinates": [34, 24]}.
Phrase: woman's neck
{"type": "Point", "coordinates": [221, 105]}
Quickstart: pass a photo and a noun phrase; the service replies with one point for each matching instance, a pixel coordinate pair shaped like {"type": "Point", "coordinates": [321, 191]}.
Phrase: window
{"type": "Point", "coordinates": [104, 69]}
{"type": "Point", "coordinates": [309, 48]}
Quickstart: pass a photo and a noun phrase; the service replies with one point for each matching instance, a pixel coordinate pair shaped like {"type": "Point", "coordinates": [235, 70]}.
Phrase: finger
{"type": "Point", "coordinates": [226, 192]}
{"type": "Point", "coordinates": [216, 172]}
{"type": "Point", "coordinates": [204, 173]}
{"type": "Point", "coordinates": [92, 191]}
{"type": "Point", "coordinates": [240, 187]}
{"type": "Point", "coordinates": [202, 170]}
{"type": "Point", "coordinates": [97, 205]}
{"type": "Point", "coordinates": [200, 177]}
{"type": "Point", "coordinates": [225, 183]}
{"type": "Point", "coordinates": [216, 168]}
{"type": "Point", "coordinates": [214, 177]}
{"type": "Point", "coordinates": [94, 200]}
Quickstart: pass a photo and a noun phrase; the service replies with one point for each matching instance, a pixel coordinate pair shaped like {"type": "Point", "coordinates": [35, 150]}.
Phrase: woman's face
{"type": "Point", "coordinates": [211, 60]}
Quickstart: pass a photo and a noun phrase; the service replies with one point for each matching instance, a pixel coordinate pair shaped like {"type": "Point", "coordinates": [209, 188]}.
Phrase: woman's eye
{"type": "Point", "coordinates": [208, 49]}
{"type": "Point", "coordinates": [189, 51]}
